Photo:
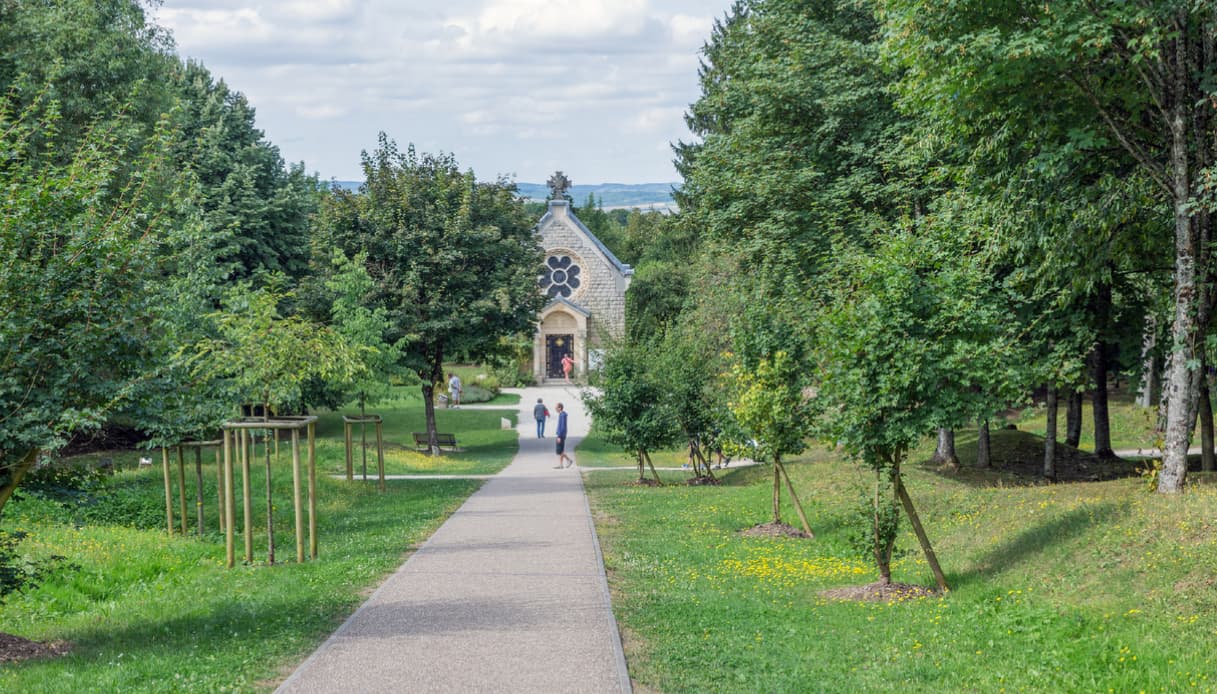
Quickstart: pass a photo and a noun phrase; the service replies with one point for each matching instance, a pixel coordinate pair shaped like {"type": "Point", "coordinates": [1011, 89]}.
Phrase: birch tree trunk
{"type": "Point", "coordinates": [1183, 379]}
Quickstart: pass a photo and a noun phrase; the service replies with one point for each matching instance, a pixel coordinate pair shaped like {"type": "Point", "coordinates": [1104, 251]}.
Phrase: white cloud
{"type": "Point", "coordinates": [593, 83]}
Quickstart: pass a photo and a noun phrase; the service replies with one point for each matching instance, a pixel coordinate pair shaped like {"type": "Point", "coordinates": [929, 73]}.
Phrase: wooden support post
{"type": "Point", "coordinates": [270, 504]}
{"type": "Point", "coordinates": [227, 493]}
{"type": "Point", "coordinates": [797, 506]}
{"type": "Point", "coordinates": [220, 482]}
{"type": "Point", "coordinates": [924, 539]}
{"type": "Point", "coordinates": [346, 426]}
{"type": "Point", "coordinates": [181, 485]}
{"type": "Point", "coordinates": [198, 494]}
{"type": "Point", "coordinates": [168, 490]}
{"type": "Point", "coordinates": [380, 454]}
{"type": "Point", "coordinates": [246, 444]}
{"type": "Point", "coordinates": [298, 507]}
{"type": "Point", "coordinates": [312, 490]}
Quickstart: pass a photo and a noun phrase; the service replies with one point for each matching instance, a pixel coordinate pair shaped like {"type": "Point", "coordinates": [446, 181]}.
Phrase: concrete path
{"type": "Point", "coordinates": [509, 595]}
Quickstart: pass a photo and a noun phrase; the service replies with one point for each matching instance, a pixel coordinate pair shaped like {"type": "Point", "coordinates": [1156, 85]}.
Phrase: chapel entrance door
{"type": "Point", "coordinates": [556, 347]}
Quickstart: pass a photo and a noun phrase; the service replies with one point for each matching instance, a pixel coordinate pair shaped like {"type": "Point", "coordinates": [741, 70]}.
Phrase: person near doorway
{"type": "Point", "coordinates": [454, 390]}
{"type": "Point", "coordinates": [540, 413]}
{"type": "Point", "coordinates": [560, 447]}
{"type": "Point", "coordinates": [567, 365]}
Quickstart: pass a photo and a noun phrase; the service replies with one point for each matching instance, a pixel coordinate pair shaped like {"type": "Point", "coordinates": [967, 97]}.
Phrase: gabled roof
{"type": "Point", "coordinates": [568, 304]}
{"type": "Point", "coordinates": [621, 267]}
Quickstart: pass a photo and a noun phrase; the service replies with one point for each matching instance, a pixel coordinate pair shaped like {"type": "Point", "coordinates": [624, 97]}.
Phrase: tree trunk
{"type": "Point", "coordinates": [777, 490]}
{"type": "Point", "coordinates": [1050, 436]}
{"type": "Point", "coordinates": [1182, 387]}
{"type": "Point", "coordinates": [429, 414]}
{"type": "Point", "coordinates": [642, 471]}
{"type": "Point", "coordinates": [1073, 419]}
{"type": "Point", "coordinates": [1149, 374]}
{"type": "Point", "coordinates": [16, 474]}
{"type": "Point", "coordinates": [1102, 419]}
{"type": "Point", "coordinates": [945, 453]}
{"type": "Point", "coordinates": [882, 554]}
{"type": "Point", "coordinates": [983, 459]}
{"type": "Point", "coordinates": [1206, 428]}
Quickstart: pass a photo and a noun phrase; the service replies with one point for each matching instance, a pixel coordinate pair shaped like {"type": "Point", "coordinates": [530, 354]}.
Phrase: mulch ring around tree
{"type": "Point", "coordinates": [774, 530]}
{"type": "Point", "coordinates": [644, 482]}
{"type": "Point", "coordinates": [701, 480]}
{"type": "Point", "coordinates": [879, 592]}
{"type": "Point", "coordinates": [15, 648]}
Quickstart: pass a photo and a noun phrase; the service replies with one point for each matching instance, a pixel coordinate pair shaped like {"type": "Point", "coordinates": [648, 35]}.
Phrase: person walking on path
{"type": "Point", "coordinates": [568, 364]}
{"type": "Point", "coordinates": [561, 445]}
{"type": "Point", "coordinates": [541, 413]}
{"type": "Point", "coordinates": [454, 390]}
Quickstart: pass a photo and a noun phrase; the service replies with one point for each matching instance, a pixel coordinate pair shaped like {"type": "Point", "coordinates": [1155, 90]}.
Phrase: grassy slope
{"type": "Point", "coordinates": [1072, 587]}
{"type": "Point", "coordinates": [146, 614]}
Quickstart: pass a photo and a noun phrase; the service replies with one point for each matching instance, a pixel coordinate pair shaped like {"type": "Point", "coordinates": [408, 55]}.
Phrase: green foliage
{"type": "Point", "coordinates": [83, 246]}
{"type": "Point", "coordinates": [265, 358]}
{"type": "Point", "coordinates": [453, 260]}
{"type": "Point", "coordinates": [769, 404]}
{"type": "Point", "coordinates": [631, 409]}
{"type": "Point", "coordinates": [911, 340]}
{"type": "Point", "coordinates": [21, 573]}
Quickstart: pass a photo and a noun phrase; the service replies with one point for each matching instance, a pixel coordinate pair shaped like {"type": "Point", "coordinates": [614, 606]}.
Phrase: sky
{"type": "Point", "coordinates": [522, 88]}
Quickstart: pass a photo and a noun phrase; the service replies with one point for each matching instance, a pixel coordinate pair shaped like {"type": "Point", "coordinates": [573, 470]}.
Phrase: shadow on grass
{"type": "Point", "coordinates": [1017, 460]}
{"type": "Point", "coordinates": [1032, 542]}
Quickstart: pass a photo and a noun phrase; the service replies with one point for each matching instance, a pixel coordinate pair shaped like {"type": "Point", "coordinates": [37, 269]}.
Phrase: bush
{"type": "Point", "coordinates": [18, 573]}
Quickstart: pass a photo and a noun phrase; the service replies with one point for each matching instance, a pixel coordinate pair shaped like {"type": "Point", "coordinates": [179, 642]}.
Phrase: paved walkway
{"type": "Point", "coordinates": [509, 595]}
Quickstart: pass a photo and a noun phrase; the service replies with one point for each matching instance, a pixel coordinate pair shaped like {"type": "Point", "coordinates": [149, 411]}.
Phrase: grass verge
{"type": "Point", "coordinates": [1074, 587]}
{"type": "Point", "coordinates": [147, 613]}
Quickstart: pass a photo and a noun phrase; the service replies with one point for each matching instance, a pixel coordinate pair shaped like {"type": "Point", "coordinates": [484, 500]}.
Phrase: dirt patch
{"type": "Point", "coordinates": [774, 530]}
{"type": "Point", "coordinates": [702, 480]}
{"type": "Point", "coordinates": [879, 592]}
{"type": "Point", "coordinates": [645, 482]}
{"type": "Point", "coordinates": [15, 648]}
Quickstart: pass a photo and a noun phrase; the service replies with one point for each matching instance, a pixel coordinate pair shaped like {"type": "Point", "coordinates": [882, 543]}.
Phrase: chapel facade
{"type": "Point", "coordinates": [585, 286]}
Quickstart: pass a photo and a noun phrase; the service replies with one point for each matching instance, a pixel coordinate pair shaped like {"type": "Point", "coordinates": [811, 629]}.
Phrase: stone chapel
{"type": "Point", "coordinates": [585, 285]}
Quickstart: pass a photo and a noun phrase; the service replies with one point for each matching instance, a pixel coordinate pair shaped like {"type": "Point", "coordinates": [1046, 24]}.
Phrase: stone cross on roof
{"type": "Point", "coordinates": [558, 185]}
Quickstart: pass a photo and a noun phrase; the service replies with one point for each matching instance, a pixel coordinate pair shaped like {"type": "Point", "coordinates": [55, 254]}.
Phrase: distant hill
{"type": "Point", "coordinates": [610, 195]}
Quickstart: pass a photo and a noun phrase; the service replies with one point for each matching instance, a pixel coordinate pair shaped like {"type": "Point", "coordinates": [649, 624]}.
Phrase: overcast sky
{"type": "Point", "coordinates": [596, 88]}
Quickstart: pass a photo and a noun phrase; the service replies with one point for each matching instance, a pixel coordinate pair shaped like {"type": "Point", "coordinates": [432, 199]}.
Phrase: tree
{"type": "Point", "coordinates": [911, 331]}
{"type": "Point", "coordinates": [454, 261]}
{"type": "Point", "coordinates": [365, 326]}
{"type": "Point", "coordinates": [1137, 75]}
{"type": "Point", "coordinates": [261, 357]}
{"type": "Point", "coordinates": [630, 408]}
{"type": "Point", "coordinates": [79, 283]}
{"type": "Point", "coordinates": [769, 403]}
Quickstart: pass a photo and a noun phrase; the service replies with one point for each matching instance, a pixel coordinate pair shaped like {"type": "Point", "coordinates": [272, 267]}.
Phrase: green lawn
{"type": "Point", "coordinates": [1075, 587]}
{"type": "Point", "coordinates": [486, 447]}
{"type": "Point", "coordinates": [144, 613]}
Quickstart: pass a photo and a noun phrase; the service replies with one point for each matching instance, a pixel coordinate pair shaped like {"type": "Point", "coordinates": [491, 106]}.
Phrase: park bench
{"type": "Point", "coordinates": [447, 441]}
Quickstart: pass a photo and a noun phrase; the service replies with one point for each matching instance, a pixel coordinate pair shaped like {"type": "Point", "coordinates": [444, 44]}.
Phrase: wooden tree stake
{"type": "Point", "coordinates": [924, 539]}
{"type": "Point", "coordinates": [298, 506]}
{"type": "Point", "coordinates": [168, 490]}
{"type": "Point", "coordinates": [797, 506]}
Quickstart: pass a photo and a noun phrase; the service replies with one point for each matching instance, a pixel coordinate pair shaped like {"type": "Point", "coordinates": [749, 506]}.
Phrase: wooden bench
{"type": "Point", "coordinates": [447, 441]}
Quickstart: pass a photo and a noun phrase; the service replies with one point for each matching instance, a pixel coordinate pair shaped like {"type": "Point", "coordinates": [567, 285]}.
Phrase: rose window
{"type": "Point", "coordinates": [560, 276]}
